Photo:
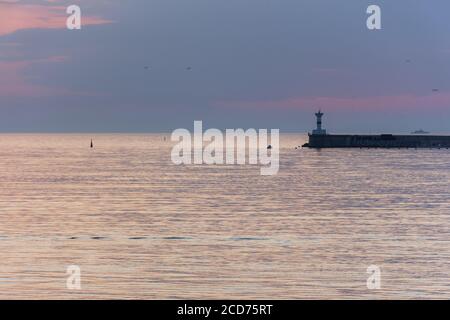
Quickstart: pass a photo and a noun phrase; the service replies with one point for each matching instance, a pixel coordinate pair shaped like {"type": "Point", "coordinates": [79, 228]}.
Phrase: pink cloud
{"type": "Point", "coordinates": [13, 81]}
{"type": "Point", "coordinates": [16, 16]}
{"type": "Point", "coordinates": [401, 101]}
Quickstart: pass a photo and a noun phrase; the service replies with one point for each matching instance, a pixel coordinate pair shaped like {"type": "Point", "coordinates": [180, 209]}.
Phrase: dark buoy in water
{"type": "Point", "coordinates": [269, 147]}
{"type": "Point", "coordinates": [92, 144]}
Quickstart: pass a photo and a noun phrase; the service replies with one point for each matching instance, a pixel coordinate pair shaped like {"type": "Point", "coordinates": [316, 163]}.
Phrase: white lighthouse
{"type": "Point", "coordinates": [319, 130]}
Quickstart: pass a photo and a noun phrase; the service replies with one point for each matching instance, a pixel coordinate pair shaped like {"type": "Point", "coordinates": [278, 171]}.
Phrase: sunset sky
{"type": "Point", "coordinates": [255, 63]}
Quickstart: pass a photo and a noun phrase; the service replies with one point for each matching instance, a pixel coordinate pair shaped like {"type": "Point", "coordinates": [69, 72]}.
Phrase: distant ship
{"type": "Point", "coordinates": [319, 138]}
{"type": "Point", "coordinates": [420, 132]}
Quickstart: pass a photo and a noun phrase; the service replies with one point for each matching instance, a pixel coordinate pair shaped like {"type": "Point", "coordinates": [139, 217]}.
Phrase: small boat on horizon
{"type": "Point", "coordinates": [420, 132]}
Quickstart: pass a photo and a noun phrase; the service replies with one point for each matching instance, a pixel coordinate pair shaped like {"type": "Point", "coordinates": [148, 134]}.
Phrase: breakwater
{"type": "Point", "coordinates": [377, 141]}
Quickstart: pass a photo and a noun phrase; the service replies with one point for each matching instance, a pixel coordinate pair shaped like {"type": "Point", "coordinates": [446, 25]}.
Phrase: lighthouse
{"type": "Point", "coordinates": [319, 130]}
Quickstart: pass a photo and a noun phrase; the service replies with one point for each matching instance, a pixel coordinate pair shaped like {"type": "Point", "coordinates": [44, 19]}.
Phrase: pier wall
{"type": "Point", "coordinates": [377, 141]}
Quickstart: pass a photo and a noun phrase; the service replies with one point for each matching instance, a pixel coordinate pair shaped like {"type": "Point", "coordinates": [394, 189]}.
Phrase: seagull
{"type": "Point", "coordinates": [146, 67]}
{"type": "Point", "coordinates": [189, 68]}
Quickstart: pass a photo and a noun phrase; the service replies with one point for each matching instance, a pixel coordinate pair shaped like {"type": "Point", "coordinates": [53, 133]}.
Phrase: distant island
{"type": "Point", "coordinates": [420, 132]}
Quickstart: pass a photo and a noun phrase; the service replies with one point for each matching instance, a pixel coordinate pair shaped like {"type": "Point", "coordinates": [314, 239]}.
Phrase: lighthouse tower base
{"type": "Point", "coordinates": [319, 132]}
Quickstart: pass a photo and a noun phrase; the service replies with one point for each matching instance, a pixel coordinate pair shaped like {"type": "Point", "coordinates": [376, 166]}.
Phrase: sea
{"type": "Point", "coordinates": [137, 226]}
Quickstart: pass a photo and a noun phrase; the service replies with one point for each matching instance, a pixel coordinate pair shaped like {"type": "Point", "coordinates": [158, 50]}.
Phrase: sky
{"type": "Point", "coordinates": [158, 65]}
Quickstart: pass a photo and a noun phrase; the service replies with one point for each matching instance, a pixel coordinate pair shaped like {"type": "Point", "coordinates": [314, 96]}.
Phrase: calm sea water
{"type": "Point", "coordinates": [140, 227]}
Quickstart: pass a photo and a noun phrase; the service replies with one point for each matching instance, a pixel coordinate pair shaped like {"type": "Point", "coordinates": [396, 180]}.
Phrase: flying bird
{"type": "Point", "coordinates": [189, 68]}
